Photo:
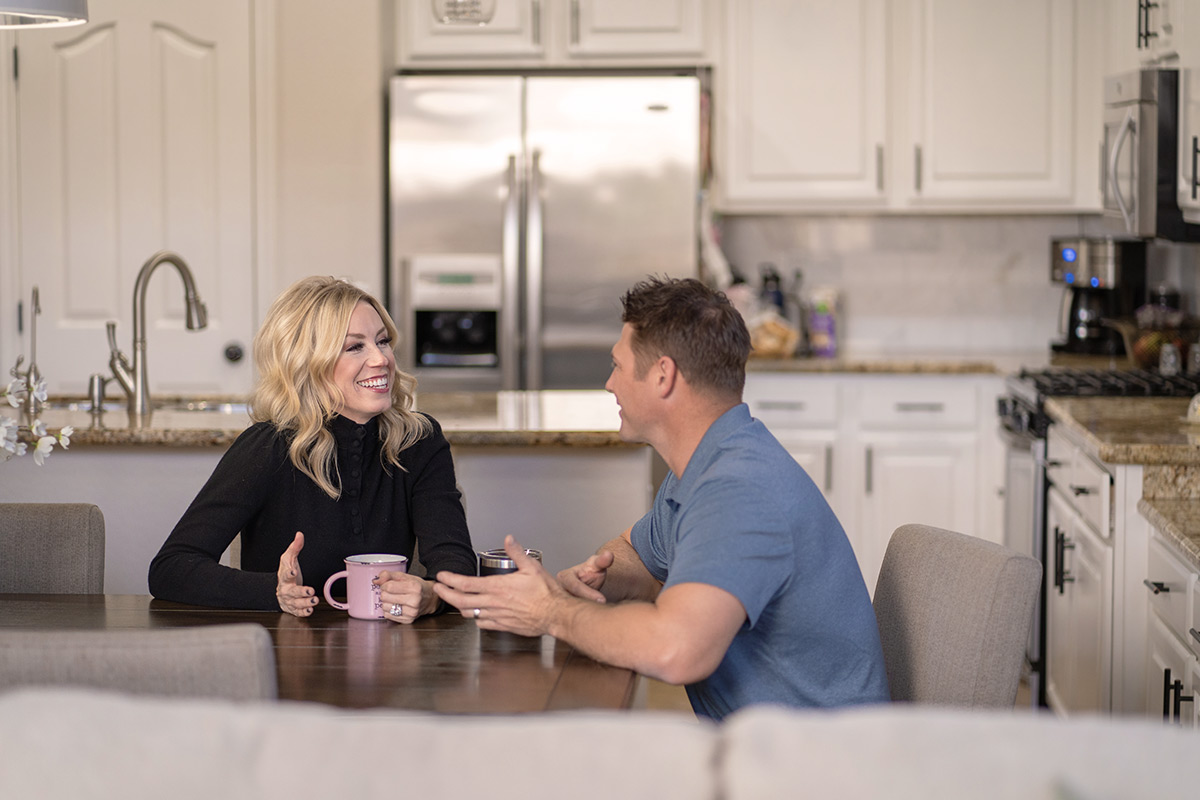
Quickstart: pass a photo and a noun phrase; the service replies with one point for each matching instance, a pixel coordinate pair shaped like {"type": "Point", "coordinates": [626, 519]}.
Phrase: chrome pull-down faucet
{"type": "Point", "coordinates": [134, 379]}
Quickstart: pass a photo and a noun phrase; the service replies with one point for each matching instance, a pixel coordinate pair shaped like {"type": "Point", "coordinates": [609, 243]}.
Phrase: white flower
{"type": "Point", "coordinates": [15, 391]}
{"type": "Point", "coordinates": [38, 428]}
{"type": "Point", "coordinates": [44, 446]}
{"type": "Point", "coordinates": [64, 436]}
{"type": "Point", "coordinates": [21, 447]}
{"type": "Point", "coordinates": [39, 392]}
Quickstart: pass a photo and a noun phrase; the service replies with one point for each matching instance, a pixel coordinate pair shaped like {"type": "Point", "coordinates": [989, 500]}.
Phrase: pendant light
{"type": "Point", "coordinates": [20, 14]}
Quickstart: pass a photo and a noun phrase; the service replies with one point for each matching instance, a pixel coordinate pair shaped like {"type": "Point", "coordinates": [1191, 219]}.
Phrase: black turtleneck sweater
{"type": "Point", "coordinates": [255, 490]}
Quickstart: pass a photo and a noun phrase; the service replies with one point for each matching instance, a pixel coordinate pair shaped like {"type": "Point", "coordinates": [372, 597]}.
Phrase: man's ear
{"type": "Point", "coordinates": [666, 374]}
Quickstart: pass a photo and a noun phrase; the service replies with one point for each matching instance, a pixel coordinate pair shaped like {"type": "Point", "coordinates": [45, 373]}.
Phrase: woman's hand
{"type": "Point", "coordinates": [407, 594]}
{"type": "Point", "coordinates": [294, 597]}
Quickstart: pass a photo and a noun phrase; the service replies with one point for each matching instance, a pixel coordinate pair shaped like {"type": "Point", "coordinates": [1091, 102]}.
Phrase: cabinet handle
{"type": "Point", "coordinates": [1156, 587]}
{"type": "Point", "coordinates": [1195, 634]}
{"type": "Point", "coordinates": [536, 8]}
{"type": "Point", "coordinates": [1167, 694]}
{"type": "Point", "coordinates": [1078, 490]}
{"type": "Point", "coordinates": [1195, 153]}
{"type": "Point", "coordinates": [574, 22]}
{"type": "Point", "coordinates": [782, 405]}
{"type": "Point", "coordinates": [1149, 34]}
{"type": "Point", "coordinates": [917, 168]}
{"type": "Point", "coordinates": [870, 454]}
{"type": "Point", "coordinates": [1141, 25]}
{"type": "Point", "coordinates": [879, 167]}
{"type": "Point", "coordinates": [932, 408]}
{"type": "Point", "coordinates": [1179, 701]}
{"type": "Point", "coordinates": [829, 473]}
{"type": "Point", "coordinates": [1061, 576]}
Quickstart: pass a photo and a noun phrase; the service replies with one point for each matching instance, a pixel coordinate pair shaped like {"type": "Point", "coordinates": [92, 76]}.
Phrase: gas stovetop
{"type": "Point", "coordinates": [1021, 410]}
{"type": "Point", "coordinates": [1108, 383]}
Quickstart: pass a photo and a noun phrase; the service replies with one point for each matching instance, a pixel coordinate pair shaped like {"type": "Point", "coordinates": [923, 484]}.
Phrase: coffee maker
{"type": "Point", "coordinates": [1105, 279]}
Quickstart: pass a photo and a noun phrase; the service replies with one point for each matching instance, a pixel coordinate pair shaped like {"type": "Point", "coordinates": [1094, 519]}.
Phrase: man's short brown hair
{"type": "Point", "coordinates": [695, 326]}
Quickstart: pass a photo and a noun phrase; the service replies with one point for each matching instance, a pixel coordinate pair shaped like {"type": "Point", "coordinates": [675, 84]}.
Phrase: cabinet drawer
{"type": "Point", "coordinates": [1090, 487]}
{"type": "Point", "coordinates": [791, 402]}
{"type": "Point", "coordinates": [1170, 583]}
{"type": "Point", "coordinates": [918, 404]}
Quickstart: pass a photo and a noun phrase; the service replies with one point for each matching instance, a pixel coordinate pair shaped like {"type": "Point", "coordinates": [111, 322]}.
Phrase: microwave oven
{"type": "Point", "coordinates": [1139, 167]}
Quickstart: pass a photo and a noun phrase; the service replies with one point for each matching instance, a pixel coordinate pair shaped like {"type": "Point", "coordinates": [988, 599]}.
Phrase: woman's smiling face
{"type": "Point", "coordinates": [367, 366]}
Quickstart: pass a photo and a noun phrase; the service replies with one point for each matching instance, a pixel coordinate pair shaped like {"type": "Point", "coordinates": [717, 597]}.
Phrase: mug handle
{"type": "Point", "coordinates": [328, 583]}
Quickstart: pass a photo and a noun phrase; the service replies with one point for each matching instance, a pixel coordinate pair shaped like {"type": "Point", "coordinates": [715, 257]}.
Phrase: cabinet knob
{"type": "Point", "coordinates": [1078, 490]}
{"type": "Point", "coordinates": [234, 353]}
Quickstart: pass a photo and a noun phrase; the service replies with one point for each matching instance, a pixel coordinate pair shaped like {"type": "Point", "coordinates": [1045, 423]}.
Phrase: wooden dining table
{"type": "Point", "coordinates": [440, 663]}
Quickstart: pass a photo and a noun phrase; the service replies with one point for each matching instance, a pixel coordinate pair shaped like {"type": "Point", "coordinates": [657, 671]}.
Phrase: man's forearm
{"type": "Point", "coordinates": [628, 578]}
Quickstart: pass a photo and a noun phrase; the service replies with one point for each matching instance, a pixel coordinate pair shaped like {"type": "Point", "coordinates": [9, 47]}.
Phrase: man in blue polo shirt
{"type": "Point", "coordinates": [740, 582]}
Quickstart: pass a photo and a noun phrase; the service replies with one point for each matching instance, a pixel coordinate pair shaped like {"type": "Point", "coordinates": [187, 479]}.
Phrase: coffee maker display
{"type": "Point", "coordinates": [1105, 280]}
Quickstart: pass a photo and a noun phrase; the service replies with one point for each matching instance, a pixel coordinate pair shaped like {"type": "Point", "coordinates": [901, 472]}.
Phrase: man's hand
{"type": "Point", "coordinates": [587, 579]}
{"type": "Point", "coordinates": [521, 602]}
{"type": "Point", "coordinates": [294, 597]}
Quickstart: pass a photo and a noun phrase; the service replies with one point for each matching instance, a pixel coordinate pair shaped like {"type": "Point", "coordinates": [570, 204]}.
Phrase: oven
{"type": "Point", "coordinates": [1024, 426]}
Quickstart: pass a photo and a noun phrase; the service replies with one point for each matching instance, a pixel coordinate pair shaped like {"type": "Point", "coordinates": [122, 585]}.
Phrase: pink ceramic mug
{"type": "Point", "coordinates": [362, 596]}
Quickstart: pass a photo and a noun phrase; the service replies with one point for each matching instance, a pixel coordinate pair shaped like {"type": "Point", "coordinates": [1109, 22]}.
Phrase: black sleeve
{"type": "Point", "coordinates": [186, 569]}
{"type": "Point", "coordinates": [438, 520]}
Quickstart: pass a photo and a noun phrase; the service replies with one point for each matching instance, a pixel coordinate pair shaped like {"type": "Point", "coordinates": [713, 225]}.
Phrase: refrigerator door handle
{"type": "Point", "coordinates": [533, 274]}
{"type": "Point", "coordinates": [510, 268]}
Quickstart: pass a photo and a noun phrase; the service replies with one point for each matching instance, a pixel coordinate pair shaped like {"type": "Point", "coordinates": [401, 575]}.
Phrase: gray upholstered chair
{"type": "Point", "coordinates": [236, 662]}
{"type": "Point", "coordinates": [51, 548]}
{"type": "Point", "coordinates": [954, 615]}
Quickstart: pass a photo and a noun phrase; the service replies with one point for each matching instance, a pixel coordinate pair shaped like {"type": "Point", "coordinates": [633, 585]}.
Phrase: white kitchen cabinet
{"type": "Point", "coordinates": [1144, 33]}
{"type": "Point", "coordinates": [1079, 611]}
{"type": "Point", "coordinates": [803, 104]}
{"type": "Point", "coordinates": [556, 33]}
{"type": "Point", "coordinates": [815, 115]}
{"type": "Point", "coordinates": [136, 135]}
{"type": "Point", "coordinates": [1171, 647]}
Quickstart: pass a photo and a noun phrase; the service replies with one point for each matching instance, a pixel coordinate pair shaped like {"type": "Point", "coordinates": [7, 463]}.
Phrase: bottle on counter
{"type": "Point", "coordinates": [772, 289]}
{"type": "Point", "coordinates": [822, 322]}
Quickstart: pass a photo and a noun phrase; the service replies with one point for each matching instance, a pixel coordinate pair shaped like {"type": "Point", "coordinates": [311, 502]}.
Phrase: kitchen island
{"type": "Point", "coordinates": [547, 467]}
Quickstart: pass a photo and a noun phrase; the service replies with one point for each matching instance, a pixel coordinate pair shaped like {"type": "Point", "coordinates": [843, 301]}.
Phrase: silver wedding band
{"type": "Point", "coordinates": [397, 609]}
{"type": "Point", "coordinates": [477, 613]}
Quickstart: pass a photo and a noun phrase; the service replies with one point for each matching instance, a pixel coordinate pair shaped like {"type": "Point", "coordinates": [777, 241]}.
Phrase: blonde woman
{"type": "Point", "coordinates": [336, 463]}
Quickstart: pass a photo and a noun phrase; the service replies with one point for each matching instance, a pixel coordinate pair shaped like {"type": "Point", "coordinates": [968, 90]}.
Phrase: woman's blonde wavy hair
{"type": "Point", "coordinates": [295, 351]}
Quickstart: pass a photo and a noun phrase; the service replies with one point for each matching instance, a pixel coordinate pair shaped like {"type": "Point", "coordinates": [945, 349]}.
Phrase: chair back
{"type": "Point", "coordinates": [954, 616]}
{"type": "Point", "coordinates": [51, 548]}
{"type": "Point", "coordinates": [235, 662]}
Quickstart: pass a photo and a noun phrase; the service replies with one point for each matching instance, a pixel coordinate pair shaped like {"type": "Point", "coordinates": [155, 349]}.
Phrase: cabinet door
{"type": "Point", "coordinates": [992, 103]}
{"type": "Point", "coordinates": [1188, 179]}
{"type": "Point", "coordinates": [1167, 660]}
{"type": "Point", "coordinates": [1090, 564]}
{"type": "Point", "coordinates": [812, 450]}
{"type": "Point", "coordinates": [516, 29]}
{"type": "Point", "coordinates": [136, 136]}
{"type": "Point", "coordinates": [635, 27]}
{"type": "Point", "coordinates": [926, 477]}
{"type": "Point", "coordinates": [803, 104]}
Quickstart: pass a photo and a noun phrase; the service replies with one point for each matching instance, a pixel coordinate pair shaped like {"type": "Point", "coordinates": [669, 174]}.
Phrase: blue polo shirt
{"type": "Point", "coordinates": [746, 518]}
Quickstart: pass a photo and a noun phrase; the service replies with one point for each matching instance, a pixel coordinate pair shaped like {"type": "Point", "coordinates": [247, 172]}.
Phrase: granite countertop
{"type": "Point", "coordinates": [515, 419]}
{"type": "Point", "coordinates": [905, 363]}
{"type": "Point", "coordinates": [1179, 522]}
{"type": "Point", "coordinates": [1131, 430]}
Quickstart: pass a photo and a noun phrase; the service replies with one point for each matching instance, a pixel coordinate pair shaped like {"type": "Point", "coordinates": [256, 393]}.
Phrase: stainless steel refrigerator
{"type": "Point", "coordinates": [522, 207]}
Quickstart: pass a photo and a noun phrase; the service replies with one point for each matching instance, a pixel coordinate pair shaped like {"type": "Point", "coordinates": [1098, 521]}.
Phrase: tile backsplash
{"type": "Point", "coordinates": [955, 284]}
